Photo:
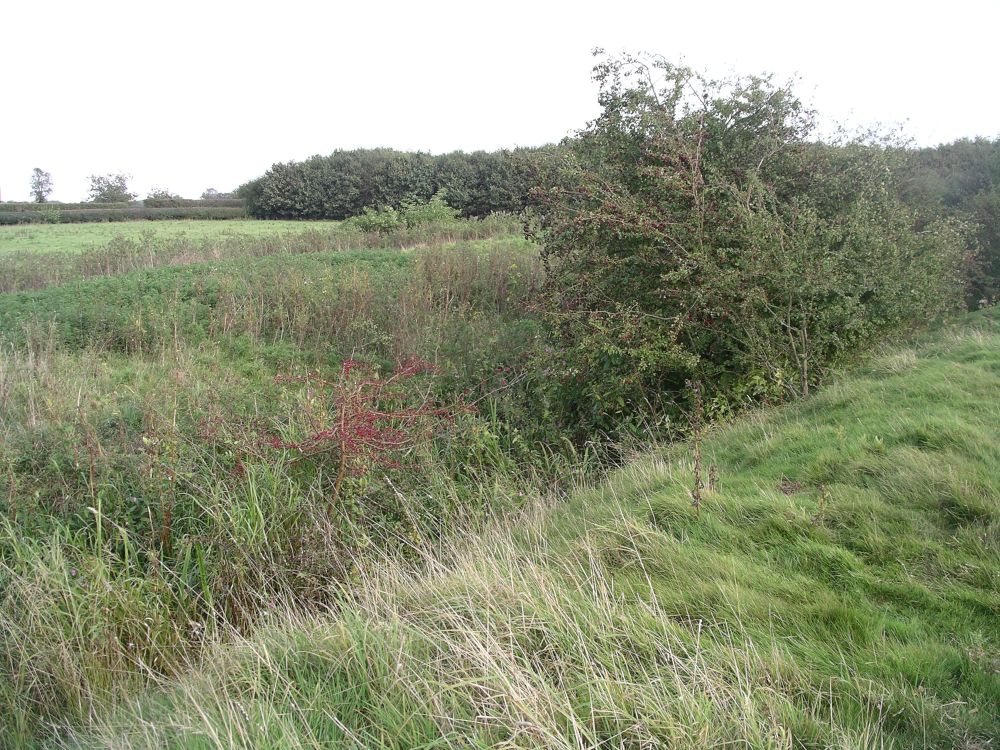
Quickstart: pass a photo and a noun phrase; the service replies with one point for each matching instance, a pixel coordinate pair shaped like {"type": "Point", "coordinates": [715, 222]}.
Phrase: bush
{"type": "Point", "coordinates": [961, 180]}
{"type": "Point", "coordinates": [413, 213]}
{"type": "Point", "coordinates": [708, 238]}
{"type": "Point", "coordinates": [382, 220]}
{"type": "Point", "coordinates": [17, 206]}
{"type": "Point", "coordinates": [416, 213]}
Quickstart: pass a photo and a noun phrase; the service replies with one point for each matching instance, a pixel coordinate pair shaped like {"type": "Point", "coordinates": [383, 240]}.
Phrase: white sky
{"type": "Point", "coordinates": [190, 95]}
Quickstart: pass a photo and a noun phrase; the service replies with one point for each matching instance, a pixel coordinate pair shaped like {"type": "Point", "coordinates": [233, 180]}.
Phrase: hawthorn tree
{"type": "Point", "coordinates": [695, 230]}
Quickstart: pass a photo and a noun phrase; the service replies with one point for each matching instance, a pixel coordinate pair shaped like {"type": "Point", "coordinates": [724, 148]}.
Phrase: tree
{"type": "Point", "coordinates": [961, 180]}
{"type": "Point", "coordinates": [696, 231]}
{"type": "Point", "coordinates": [161, 193]}
{"type": "Point", "coordinates": [110, 188]}
{"type": "Point", "coordinates": [41, 185]}
{"type": "Point", "coordinates": [345, 183]}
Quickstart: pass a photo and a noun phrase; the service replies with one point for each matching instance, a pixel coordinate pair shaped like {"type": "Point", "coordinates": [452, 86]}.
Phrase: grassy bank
{"type": "Point", "coordinates": [838, 588]}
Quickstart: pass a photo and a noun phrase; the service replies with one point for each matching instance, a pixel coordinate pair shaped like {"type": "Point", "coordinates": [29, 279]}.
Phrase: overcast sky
{"type": "Point", "coordinates": [190, 95]}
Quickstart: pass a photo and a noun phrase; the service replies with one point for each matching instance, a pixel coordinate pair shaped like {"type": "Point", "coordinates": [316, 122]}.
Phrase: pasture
{"type": "Point", "coordinates": [77, 238]}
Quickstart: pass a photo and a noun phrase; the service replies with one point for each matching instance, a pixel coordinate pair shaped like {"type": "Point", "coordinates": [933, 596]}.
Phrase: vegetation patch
{"type": "Point", "coordinates": [853, 613]}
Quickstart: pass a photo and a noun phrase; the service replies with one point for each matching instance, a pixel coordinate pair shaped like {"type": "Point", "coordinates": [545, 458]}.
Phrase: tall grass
{"type": "Point", "coordinates": [143, 513]}
{"type": "Point", "coordinates": [837, 589]}
{"type": "Point", "coordinates": [26, 270]}
{"type": "Point", "coordinates": [338, 299]}
{"type": "Point", "coordinates": [137, 525]}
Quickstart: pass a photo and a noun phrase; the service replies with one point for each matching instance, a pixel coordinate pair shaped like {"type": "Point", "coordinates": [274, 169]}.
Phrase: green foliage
{"type": "Point", "coordinates": [173, 201]}
{"type": "Point", "coordinates": [110, 188]}
{"type": "Point", "coordinates": [160, 193]}
{"type": "Point", "coordinates": [961, 180]}
{"type": "Point", "coordinates": [160, 210]}
{"type": "Point", "coordinates": [214, 195]}
{"type": "Point", "coordinates": [346, 183]}
{"type": "Point", "coordinates": [411, 214]}
{"type": "Point", "coordinates": [164, 494]}
{"type": "Point", "coordinates": [416, 213]}
{"type": "Point", "coordinates": [381, 220]}
{"type": "Point", "coordinates": [41, 185]}
{"type": "Point", "coordinates": [20, 207]}
{"type": "Point", "coordinates": [693, 232]}
{"type": "Point", "coordinates": [50, 215]}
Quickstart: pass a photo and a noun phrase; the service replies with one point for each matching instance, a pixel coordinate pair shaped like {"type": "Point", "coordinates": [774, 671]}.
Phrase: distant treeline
{"type": "Point", "coordinates": [345, 183]}
{"type": "Point", "coordinates": [151, 208]}
{"type": "Point", "coordinates": [962, 180]}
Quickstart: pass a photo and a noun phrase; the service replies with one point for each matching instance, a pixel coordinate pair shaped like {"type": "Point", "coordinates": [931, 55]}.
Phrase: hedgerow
{"type": "Point", "coordinates": [53, 213]}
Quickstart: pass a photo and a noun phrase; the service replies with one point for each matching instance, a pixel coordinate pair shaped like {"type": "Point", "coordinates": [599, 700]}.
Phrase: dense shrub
{"type": "Point", "coordinates": [410, 215]}
{"type": "Point", "coordinates": [694, 232]}
{"type": "Point", "coordinates": [19, 206]}
{"type": "Point", "coordinates": [174, 202]}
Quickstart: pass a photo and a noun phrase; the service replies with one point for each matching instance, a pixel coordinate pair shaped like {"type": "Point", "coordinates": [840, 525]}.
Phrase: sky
{"type": "Point", "coordinates": [191, 95]}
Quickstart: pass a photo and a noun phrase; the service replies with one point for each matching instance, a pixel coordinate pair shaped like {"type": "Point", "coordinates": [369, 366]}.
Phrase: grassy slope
{"type": "Point", "coordinates": [82, 237]}
{"type": "Point", "coordinates": [127, 373]}
{"type": "Point", "coordinates": [838, 589]}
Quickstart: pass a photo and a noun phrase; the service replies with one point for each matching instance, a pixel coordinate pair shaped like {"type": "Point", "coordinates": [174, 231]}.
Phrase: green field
{"type": "Point", "coordinates": [43, 256]}
{"type": "Point", "coordinates": [83, 237]}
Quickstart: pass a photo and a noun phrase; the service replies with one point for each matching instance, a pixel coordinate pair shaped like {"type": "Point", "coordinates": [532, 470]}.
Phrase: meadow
{"type": "Point", "coordinates": [172, 379]}
{"type": "Point", "coordinates": [69, 253]}
{"type": "Point", "coordinates": [77, 238]}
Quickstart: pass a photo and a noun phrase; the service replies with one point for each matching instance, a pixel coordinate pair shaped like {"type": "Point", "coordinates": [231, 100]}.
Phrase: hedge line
{"type": "Point", "coordinates": [11, 206]}
{"type": "Point", "coordinates": [147, 203]}
{"type": "Point", "coordinates": [345, 183]}
{"type": "Point", "coordinates": [122, 214]}
{"type": "Point", "coordinates": [189, 202]}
